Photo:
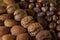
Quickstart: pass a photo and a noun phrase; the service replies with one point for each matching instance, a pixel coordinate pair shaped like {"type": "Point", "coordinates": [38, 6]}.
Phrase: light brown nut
{"type": "Point", "coordinates": [11, 8]}
{"type": "Point", "coordinates": [23, 36]}
{"type": "Point", "coordinates": [9, 1]}
{"type": "Point", "coordinates": [4, 30]}
{"type": "Point", "coordinates": [19, 14]}
{"type": "Point", "coordinates": [34, 28]}
{"type": "Point", "coordinates": [2, 9]}
{"type": "Point", "coordinates": [10, 22]}
{"type": "Point", "coordinates": [8, 37]}
{"type": "Point", "coordinates": [27, 21]}
{"type": "Point", "coordinates": [17, 29]}
{"type": "Point", "coordinates": [5, 16]}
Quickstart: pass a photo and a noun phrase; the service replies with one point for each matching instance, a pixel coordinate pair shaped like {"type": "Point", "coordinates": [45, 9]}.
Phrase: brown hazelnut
{"type": "Point", "coordinates": [17, 29]}
{"type": "Point", "coordinates": [27, 21]}
{"type": "Point", "coordinates": [58, 35]}
{"type": "Point", "coordinates": [58, 28]}
{"type": "Point", "coordinates": [9, 1]}
{"type": "Point", "coordinates": [31, 0]}
{"type": "Point", "coordinates": [23, 36]}
{"type": "Point", "coordinates": [11, 8]}
{"type": "Point", "coordinates": [5, 16]}
{"type": "Point", "coordinates": [10, 22]}
{"type": "Point", "coordinates": [4, 30]}
{"type": "Point", "coordinates": [34, 28]}
{"type": "Point", "coordinates": [40, 1]}
{"type": "Point", "coordinates": [52, 25]}
{"type": "Point", "coordinates": [44, 35]}
{"type": "Point", "coordinates": [8, 37]}
{"type": "Point", "coordinates": [2, 9]}
{"type": "Point", "coordinates": [55, 17]}
{"type": "Point", "coordinates": [19, 14]}
{"type": "Point", "coordinates": [38, 5]}
{"type": "Point", "coordinates": [31, 5]}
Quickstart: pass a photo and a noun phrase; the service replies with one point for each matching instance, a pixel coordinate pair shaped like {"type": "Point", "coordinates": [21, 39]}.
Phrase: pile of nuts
{"type": "Point", "coordinates": [29, 20]}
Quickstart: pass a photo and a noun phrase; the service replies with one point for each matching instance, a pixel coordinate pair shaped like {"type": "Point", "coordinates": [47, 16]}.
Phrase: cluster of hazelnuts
{"type": "Point", "coordinates": [29, 20]}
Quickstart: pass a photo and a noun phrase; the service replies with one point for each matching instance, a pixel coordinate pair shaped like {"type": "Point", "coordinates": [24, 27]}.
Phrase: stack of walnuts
{"type": "Point", "coordinates": [29, 20]}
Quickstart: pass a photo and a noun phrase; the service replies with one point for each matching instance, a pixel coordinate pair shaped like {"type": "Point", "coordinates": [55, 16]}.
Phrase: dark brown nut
{"type": "Point", "coordinates": [58, 13]}
{"type": "Point", "coordinates": [11, 8]}
{"type": "Point", "coordinates": [52, 25]}
{"type": "Point", "coordinates": [10, 22]}
{"type": "Point", "coordinates": [44, 35]}
{"type": "Point", "coordinates": [2, 9]}
{"type": "Point", "coordinates": [44, 9]}
{"type": "Point", "coordinates": [37, 10]}
{"type": "Point", "coordinates": [42, 21]}
{"type": "Point", "coordinates": [52, 9]}
{"type": "Point", "coordinates": [49, 13]}
{"type": "Point", "coordinates": [4, 30]}
{"type": "Point", "coordinates": [17, 29]}
{"type": "Point", "coordinates": [48, 18]}
{"type": "Point", "coordinates": [58, 28]}
{"type": "Point", "coordinates": [31, 1]}
{"type": "Point", "coordinates": [34, 28]}
{"type": "Point", "coordinates": [5, 16]}
{"type": "Point", "coordinates": [58, 21]}
{"type": "Point", "coordinates": [19, 14]}
{"type": "Point", "coordinates": [52, 3]}
{"type": "Point", "coordinates": [38, 5]}
{"type": "Point", "coordinates": [55, 17]}
{"type": "Point", "coordinates": [41, 14]}
{"type": "Point", "coordinates": [1, 23]}
{"type": "Point", "coordinates": [24, 36]}
{"type": "Point", "coordinates": [9, 1]}
{"type": "Point", "coordinates": [40, 1]}
{"type": "Point", "coordinates": [8, 37]}
{"type": "Point", "coordinates": [58, 35]}
{"type": "Point", "coordinates": [31, 5]}
{"type": "Point", "coordinates": [30, 12]}
{"type": "Point", "coordinates": [26, 21]}
{"type": "Point", "coordinates": [23, 5]}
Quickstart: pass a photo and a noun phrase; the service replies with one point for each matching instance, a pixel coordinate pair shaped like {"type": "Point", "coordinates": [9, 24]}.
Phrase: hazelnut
{"type": "Point", "coordinates": [11, 8]}
{"type": "Point", "coordinates": [9, 1]}
{"type": "Point", "coordinates": [31, 1]}
{"type": "Point", "coordinates": [40, 1]}
{"type": "Point", "coordinates": [2, 9]}
{"type": "Point", "coordinates": [52, 9]}
{"type": "Point", "coordinates": [31, 5]}
{"type": "Point", "coordinates": [38, 5]}
{"type": "Point", "coordinates": [58, 28]}
{"type": "Point", "coordinates": [55, 17]}
{"type": "Point", "coordinates": [5, 16]}
{"type": "Point", "coordinates": [24, 36]}
{"type": "Point", "coordinates": [52, 25]}
{"type": "Point", "coordinates": [58, 21]}
{"type": "Point", "coordinates": [19, 14]}
{"type": "Point", "coordinates": [44, 9]}
{"type": "Point", "coordinates": [26, 21]}
{"type": "Point", "coordinates": [4, 30]}
{"type": "Point", "coordinates": [10, 22]}
{"type": "Point", "coordinates": [58, 35]}
{"type": "Point", "coordinates": [44, 35]}
{"type": "Point", "coordinates": [34, 28]}
{"type": "Point", "coordinates": [17, 29]}
{"type": "Point", "coordinates": [8, 37]}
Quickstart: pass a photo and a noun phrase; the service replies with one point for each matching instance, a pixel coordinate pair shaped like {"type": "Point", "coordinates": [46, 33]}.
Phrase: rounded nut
{"type": "Point", "coordinates": [58, 21]}
{"type": "Point", "coordinates": [8, 37]}
{"type": "Point", "coordinates": [4, 30]}
{"type": "Point", "coordinates": [58, 28]}
{"type": "Point", "coordinates": [44, 35]}
{"type": "Point", "coordinates": [31, 1]}
{"type": "Point", "coordinates": [19, 14]}
{"type": "Point", "coordinates": [2, 9]}
{"type": "Point", "coordinates": [10, 22]}
{"type": "Point", "coordinates": [27, 21]}
{"type": "Point", "coordinates": [11, 8]}
{"type": "Point", "coordinates": [5, 16]}
{"type": "Point", "coordinates": [58, 35]}
{"type": "Point", "coordinates": [17, 29]}
{"type": "Point", "coordinates": [40, 1]}
{"type": "Point", "coordinates": [34, 28]}
{"type": "Point", "coordinates": [9, 1]}
{"type": "Point", "coordinates": [23, 36]}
